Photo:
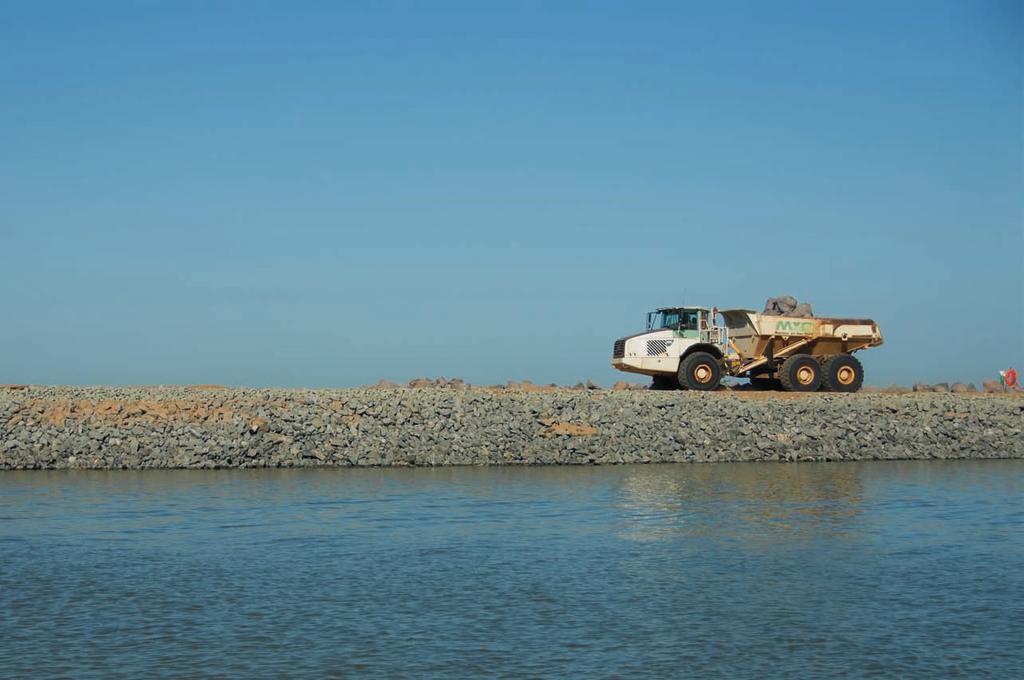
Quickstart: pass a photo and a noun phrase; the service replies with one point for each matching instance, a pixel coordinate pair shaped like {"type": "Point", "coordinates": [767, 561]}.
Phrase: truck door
{"type": "Point", "coordinates": [689, 323]}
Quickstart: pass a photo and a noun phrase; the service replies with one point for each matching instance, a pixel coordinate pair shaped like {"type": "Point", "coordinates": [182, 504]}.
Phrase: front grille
{"type": "Point", "coordinates": [619, 350]}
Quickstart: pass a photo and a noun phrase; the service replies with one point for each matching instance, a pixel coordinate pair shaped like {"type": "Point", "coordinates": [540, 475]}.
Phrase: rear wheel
{"type": "Point", "coordinates": [800, 373]}
{"type": "Point", "coordinates": [700, 371]}
{"type": "Point", "coordinates": [843, 373]}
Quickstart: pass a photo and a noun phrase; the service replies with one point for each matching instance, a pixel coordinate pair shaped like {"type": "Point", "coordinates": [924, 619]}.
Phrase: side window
{"type": "Point", "coordinates": [690, 321]}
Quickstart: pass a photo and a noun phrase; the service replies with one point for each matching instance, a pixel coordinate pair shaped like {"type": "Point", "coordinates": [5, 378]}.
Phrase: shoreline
{"type": "Point", "coordinates": [203, 427]}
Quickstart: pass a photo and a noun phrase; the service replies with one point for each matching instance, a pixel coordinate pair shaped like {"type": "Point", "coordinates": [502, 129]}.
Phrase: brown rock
{"type": "Point", "coordinates": [420, 383]}
{"type": "Point", "coordinates": [528, 386]}
{"type": "Point", "coordinates": [560, 429]}
{"type": "Point", "coordinates": [992, 387]}
{"type": "Point", "coordinates": [386, 384]}
{"type": "Point", "coordinates": [940, 387]}
{"type": "Point", "coordinates": [57, 414]}
{"type": "Point", "coordinates": [963, 388]}
{"type": "Point", "coordinates": [107, 407]}
{"type": "Point", "coordinates": [257, 425]}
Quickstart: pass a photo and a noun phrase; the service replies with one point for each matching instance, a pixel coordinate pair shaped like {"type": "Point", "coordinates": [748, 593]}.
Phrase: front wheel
{"type": "Point", "coordinates": [700, 371]}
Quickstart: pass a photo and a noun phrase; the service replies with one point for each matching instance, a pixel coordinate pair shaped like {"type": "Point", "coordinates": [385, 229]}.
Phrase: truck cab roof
{"type": "Point", "coordinates": [687, 307]}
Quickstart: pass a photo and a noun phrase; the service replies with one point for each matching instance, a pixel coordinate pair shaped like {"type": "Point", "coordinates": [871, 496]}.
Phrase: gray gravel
{"type": "Point", "coordinates": [177, 427]}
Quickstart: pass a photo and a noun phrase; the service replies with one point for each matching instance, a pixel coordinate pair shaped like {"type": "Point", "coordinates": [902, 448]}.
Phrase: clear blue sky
{"type": "Point", "coordinates": [328, 193]}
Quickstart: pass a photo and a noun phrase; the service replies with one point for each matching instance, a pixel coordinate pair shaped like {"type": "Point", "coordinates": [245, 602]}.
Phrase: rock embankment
{"type": "Point", "coordinates": [65, 427]}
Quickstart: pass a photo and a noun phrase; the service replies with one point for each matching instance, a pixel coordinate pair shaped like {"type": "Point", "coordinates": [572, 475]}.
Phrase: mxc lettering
{"type": "Point", "coordinates": [793, 326]}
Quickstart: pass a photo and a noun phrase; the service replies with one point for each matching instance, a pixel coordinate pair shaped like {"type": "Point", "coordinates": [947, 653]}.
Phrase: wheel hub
{"type": "Point", "coordinates": [702, 373]}
{"type": "Point", "coordinates": [845, 375]}
{"type": "Point", "coordinates": [805, 375]}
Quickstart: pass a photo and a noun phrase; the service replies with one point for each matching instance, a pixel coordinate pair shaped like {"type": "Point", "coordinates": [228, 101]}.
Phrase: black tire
{"type": "Point", "coordinates": [700, 371]}
{"type": "Point", "coordinates": [843, 373]}
{"type": "Point", "coordinates": [800, 373]}
{"type": "Point", "coordinates": [664, 382]}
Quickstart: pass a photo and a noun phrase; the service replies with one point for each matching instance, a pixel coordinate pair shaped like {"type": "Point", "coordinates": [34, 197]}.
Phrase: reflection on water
{"type": "Point", "coordinates": [751, 502]}
{"type": "Point", "coordinates": [907, 569]}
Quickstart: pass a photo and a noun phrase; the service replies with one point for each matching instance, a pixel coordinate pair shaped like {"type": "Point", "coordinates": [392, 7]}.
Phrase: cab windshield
{"type": "Point", "coordinates": [676, 319]}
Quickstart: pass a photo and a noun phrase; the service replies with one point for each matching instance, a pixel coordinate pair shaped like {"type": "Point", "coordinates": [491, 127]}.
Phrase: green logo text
{"type": "Point", "coordinates": [793, 327]}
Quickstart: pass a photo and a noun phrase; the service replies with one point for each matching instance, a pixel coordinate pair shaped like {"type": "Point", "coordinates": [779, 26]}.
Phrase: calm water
{"type": "Point", "coordinates": [880, 569]}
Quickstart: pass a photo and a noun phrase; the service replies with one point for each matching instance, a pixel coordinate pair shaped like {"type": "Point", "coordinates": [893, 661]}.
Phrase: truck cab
{"type": "Point", "coordinates": [672, 335]}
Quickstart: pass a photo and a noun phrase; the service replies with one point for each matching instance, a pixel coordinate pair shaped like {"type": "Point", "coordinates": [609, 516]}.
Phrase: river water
{"type": "Point", "coordinates": [911, 569]}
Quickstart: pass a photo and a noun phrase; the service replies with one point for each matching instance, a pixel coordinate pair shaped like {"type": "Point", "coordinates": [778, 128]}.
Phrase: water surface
{"type": "Point", "coordinates": [911, 569]}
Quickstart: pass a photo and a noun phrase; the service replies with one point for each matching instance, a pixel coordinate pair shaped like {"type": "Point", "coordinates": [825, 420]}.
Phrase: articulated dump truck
{"type": "Point", "coordinates": [694, 347]}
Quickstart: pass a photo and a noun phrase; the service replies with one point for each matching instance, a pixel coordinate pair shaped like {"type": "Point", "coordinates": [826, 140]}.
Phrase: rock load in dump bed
{"type": "Point", "coordinates": [787, 305]}
{"type": "Point", "coordinates": [61, 427]}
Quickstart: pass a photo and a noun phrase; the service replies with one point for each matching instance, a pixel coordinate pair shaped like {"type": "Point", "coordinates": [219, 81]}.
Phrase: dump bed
{"type": "Point", "coordinates": [753, 336]}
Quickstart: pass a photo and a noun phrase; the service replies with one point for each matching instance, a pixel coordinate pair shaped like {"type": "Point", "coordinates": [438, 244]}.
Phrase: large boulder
{"type": "Point", "coordinates": [801, 311]}
{"type": "Point", "coordinates": [780, 305]}
{"type": "Point", "coordinates": [787, 305]}
{"type": "Point", "coordinates": [963, 388]}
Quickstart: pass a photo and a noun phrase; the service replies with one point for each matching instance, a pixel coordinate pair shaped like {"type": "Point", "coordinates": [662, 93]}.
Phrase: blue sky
{"type": "Point", "coordinates": [324, 194]}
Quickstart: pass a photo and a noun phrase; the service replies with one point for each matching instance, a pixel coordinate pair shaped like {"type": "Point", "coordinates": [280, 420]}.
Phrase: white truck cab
{"type": "Point", "coordinates": [673, 335]}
